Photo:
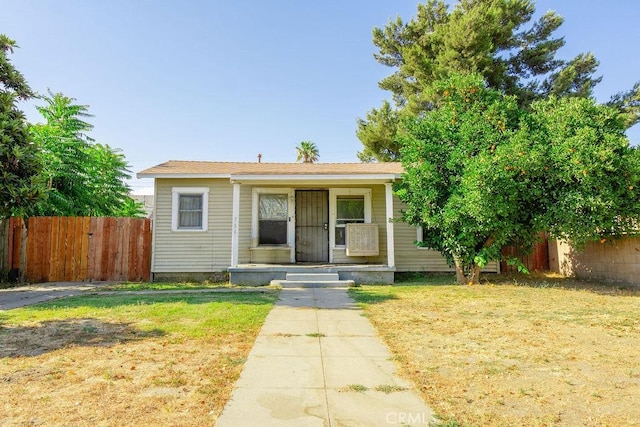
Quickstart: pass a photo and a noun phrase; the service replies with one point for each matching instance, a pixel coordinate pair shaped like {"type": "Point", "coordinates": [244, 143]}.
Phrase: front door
{"type": "Point", "coordinates": [312, 226]}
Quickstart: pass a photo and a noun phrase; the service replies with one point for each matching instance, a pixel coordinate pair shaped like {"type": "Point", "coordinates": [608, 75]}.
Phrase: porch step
{"type": "Point", "coordinates": [313, 280]}
{"type": "Point", "coordinates": [315, 277]}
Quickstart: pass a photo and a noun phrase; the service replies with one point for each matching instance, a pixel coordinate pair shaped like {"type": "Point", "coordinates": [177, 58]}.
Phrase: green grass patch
{"type": "Point", "coordinates": [190, 315]}
{"type": "Point", "coordinates": [165, 286]}
{"type": "Point", "coordinates": [359, 388]}
{"type": "Point", "coordinates": [316, 335]}
{"type": "Point", "coordinates": [389, 388]}
{"type": "Point", "coordinates": [433, 279]}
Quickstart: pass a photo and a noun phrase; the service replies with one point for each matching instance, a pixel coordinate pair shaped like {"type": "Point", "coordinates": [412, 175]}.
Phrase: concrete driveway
{"type": "Point", "coordinates": [40, 292]}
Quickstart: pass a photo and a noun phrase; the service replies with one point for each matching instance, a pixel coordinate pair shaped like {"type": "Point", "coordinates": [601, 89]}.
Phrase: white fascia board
{"type": "Point", "coordinates": [315, 178]}
{"type": "Point", "coordinates": [183, 175]}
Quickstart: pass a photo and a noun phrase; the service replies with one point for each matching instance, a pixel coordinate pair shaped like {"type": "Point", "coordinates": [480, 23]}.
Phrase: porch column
{"type": "Point", "coordinates": [235, 214]}
{"type": "Point", "coordinates": [391, 257]}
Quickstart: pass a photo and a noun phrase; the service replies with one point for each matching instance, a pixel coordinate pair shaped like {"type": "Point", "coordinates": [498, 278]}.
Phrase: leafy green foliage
{"type": "Point", "coordinates": [481, 172]}
{"type": "Point", "coordinates": [378, 134]}
{"type": "Point", "coordinates": [494, 38]}
{"type": "Point", "coordinates": [83, 178]}
{"type": "Point", "coordinates": [20, 185]}
{"type": "Point", "coordinates": [307, 152]}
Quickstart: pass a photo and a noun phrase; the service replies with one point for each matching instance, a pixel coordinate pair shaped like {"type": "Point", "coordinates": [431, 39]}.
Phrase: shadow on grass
{"type": "Point", "coordinates": [122, 300]}
{"type": "Point", "coordinates": [52, 335]}
{"type": "Point", "coordinates": [427, 279]}
{"type": "Point", "coordinates": [370, 296]}
{"type": "Point", "coordinates": [555, 281]}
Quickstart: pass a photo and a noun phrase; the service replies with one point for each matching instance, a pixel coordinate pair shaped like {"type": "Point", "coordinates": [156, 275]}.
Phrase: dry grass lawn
{"type": "Point", "coordinates": [546, 352]}
{"type": "Point", "coordinates": [126, 360]}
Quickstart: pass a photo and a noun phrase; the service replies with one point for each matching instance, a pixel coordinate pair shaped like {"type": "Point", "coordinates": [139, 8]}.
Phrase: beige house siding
{"type": "Point", "coordinates": [193, 251]}
{"type": "Point", "coordinates": [410, 257]}
{"type": "Point", "coordinates": [210, 251]}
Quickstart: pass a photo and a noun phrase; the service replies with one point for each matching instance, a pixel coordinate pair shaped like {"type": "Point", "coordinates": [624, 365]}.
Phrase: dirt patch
{"type": "Point", "coordinates": [517, 355]}
{"type": "Point", "coordinates": [147, 382]}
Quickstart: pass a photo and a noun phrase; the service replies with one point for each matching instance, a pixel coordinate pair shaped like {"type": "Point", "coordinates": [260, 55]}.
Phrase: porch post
{"type": "Point", "coordinates": [234, 224]}
{"type": "Point", "coordinates": [391, 257]}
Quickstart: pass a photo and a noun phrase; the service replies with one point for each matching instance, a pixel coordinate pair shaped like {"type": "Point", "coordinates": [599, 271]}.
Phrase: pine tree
{"type": "Point", "coordinates": [494, 38]}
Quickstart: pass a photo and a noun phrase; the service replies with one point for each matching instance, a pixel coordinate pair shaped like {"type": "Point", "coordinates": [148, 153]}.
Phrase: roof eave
{"type": "Point", "coordinates": [181, 175]}
{"type": "Point", "coordinates": [383, 177]}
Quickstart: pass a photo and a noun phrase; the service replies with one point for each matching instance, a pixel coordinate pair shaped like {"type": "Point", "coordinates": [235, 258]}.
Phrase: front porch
{"type": "Point", "coordinates": [263, 274]}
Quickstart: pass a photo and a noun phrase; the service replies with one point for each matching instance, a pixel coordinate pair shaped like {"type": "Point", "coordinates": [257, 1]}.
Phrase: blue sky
{"type": "Point", "coordinates": [226, 80]}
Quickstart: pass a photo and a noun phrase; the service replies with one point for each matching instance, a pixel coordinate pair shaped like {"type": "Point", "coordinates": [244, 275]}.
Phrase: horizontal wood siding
{"type": "Point", "coordinates": [271, 256]}
{"type": "Point", "coordinates": [193, 251]}
{"type": "Point", "coordinates": [410, 257]}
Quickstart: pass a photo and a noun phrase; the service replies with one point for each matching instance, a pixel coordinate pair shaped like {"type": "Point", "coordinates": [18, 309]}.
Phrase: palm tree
{"type": "Point", "coordinates": [307, 152]}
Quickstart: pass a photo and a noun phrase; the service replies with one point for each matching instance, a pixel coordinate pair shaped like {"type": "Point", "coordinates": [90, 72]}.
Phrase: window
{"type": "Point", "coordinates": [272, 219]}
{"type": "Point", "coordinates": [347, 205]}
{"type": "Point", "coordinates": [349, 209]}
{"type": "Point", "coordinates": [189, 208]}
{"type": "Point", "coordinates": [420, 238]}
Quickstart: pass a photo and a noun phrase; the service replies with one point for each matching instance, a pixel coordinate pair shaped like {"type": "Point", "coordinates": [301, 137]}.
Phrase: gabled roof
{"type": "Point", "coordinates": [251, 170]}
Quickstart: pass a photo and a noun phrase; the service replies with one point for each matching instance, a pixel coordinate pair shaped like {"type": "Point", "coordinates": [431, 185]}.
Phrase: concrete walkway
{"type": "Point", "coordinates": [40, 292]}
{"type": "Point", "coordinates": [318, 362]}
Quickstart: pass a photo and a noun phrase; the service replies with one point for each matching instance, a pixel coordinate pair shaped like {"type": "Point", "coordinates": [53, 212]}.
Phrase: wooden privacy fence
{"type": "Point", "coordinates": [538, 260]}
{"type": "Point", "coordinates": [78, 249]}
{"type": "Point", "coordinates": [13, 236]}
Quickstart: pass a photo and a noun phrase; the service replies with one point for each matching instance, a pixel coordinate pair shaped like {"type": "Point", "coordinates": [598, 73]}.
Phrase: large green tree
{"type": "Point", "coordinates": [83, 178]}
{"type": "Point", "coordinates": [481, 172]}
{"type": "Point", "coordinates": [494, 38]}
{"type": "Point", "coordinates": [20, 185]}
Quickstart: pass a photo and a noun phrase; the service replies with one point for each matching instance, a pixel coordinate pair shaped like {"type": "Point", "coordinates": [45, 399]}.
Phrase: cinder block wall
{"type": "Point", "coordinates": [611, 261]}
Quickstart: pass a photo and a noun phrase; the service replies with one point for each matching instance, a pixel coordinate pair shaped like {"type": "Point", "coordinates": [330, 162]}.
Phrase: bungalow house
{"type": "Point", "coordinates": [260, 221]}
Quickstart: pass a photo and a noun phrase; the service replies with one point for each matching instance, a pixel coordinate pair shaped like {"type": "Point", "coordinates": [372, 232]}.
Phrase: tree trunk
{"type": "Point", "coordinates": [462, 278]}
{"type": "Point", "coordinates": [474, 274]}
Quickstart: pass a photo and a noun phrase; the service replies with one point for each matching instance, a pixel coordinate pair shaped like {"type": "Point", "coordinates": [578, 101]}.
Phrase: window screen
{"type": "Point", "coordinates": [350, 209]}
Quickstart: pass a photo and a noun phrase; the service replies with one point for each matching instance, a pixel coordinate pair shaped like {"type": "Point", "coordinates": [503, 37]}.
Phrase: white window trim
{"type": "Point", "coordinates": [255, 207]}
{"type": "Point", "coordinates": [333, 211]}
{"type": "Point", "coordinates": [175, 203]}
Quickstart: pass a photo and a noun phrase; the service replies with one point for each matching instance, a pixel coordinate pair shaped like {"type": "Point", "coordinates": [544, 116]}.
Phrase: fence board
{"type": "Point", "coordinates": [538, 260]}
{"type": "Point", "coordinates": [16, 226]}
{"type": "Point", "coordinates": [12, 250]}
{"type": "Point", "coordinates": [4, 245]}
{"type": "Point", "coordinates": [146, 250]}
{"type": "Point", "coordinates": [95, 249]}
{"type": "Point", "coordinates": [78, 248]}
{"type": "Point", "coordinates": [83, 259]}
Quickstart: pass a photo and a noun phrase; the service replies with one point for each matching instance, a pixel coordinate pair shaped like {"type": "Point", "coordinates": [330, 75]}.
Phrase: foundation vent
{"type": "Point", "coordinates": [362, 240]}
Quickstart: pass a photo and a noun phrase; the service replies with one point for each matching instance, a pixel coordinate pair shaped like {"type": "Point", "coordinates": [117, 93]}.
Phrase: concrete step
{"type": "Point", "coordinates": [313, 277]}
{"type": "Point", "coordinates": [313, 283]}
